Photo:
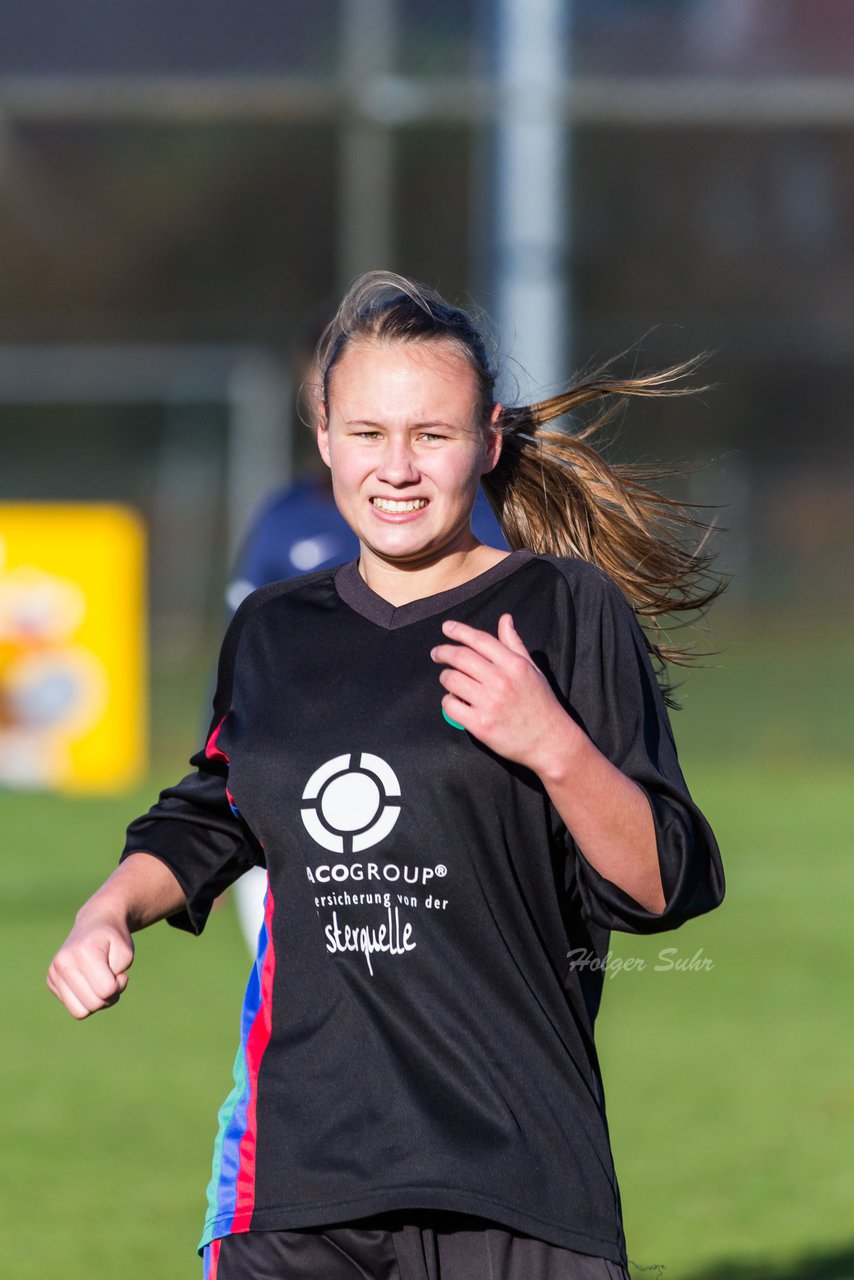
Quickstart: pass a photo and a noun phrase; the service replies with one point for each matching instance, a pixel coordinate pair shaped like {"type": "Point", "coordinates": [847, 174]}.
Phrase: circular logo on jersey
{"type": "Point", "coordinates": [348, 808]}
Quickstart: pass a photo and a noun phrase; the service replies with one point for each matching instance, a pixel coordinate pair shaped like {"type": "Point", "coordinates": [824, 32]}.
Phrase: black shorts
{"type": "Point", "coordinates": [422, 1244]}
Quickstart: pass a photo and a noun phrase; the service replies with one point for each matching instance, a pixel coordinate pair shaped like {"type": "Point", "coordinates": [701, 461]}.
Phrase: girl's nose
{"type": "Point", "coordinates": [398, 463]}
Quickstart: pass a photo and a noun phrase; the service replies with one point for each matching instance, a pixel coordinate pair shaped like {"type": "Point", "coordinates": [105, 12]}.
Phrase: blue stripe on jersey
{"type": "Point", "coordinates": [222, 1189]}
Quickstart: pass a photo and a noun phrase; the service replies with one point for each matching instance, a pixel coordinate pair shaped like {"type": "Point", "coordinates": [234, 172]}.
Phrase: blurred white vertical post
{"type": "Point", "coordinates": [260, 439]}
{"type": "Point", "coordinates": [365, 173]}
{"type": "Point", "coordinates": [532, 213]}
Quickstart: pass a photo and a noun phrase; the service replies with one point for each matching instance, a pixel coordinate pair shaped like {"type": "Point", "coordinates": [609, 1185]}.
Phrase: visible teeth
{"type": "Point", "coordinates": [385, 504]}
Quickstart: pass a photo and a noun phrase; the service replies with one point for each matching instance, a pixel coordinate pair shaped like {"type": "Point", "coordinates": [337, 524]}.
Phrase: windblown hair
{"type": "Point", "coordinates": [551, 491]}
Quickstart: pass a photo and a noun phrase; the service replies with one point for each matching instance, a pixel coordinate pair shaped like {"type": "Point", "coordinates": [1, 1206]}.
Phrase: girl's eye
{"type": "Point", "coordinates": [425, 435]}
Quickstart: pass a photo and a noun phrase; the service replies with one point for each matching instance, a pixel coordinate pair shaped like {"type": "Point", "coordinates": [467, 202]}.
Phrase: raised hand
{"type": "Point", "coordinates": [497, 692]}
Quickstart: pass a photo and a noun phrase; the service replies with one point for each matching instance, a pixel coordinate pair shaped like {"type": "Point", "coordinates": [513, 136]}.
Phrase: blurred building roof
{"type": "Point", "coordinates": [266, 37]}
{"type": "Point", "coordinates": [136, 37]}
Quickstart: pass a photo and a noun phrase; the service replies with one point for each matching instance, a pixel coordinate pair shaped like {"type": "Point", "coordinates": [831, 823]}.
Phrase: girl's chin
{"type": "Point", "coordinates": [408, 551]}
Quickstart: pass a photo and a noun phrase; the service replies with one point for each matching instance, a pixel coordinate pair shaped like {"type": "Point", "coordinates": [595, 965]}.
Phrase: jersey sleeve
{"type": "Point", "coordinates": [195, 826]}
{"type": "Point", "coordinates": [615, 696]}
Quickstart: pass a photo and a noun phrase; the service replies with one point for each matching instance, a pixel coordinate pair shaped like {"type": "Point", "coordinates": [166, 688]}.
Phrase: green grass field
{"type": "Point", "coordinates": [730, 1089]}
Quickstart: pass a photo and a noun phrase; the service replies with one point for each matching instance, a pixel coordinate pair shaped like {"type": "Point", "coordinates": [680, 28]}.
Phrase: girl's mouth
{"type": "Point", "coordinates": [398, 507]}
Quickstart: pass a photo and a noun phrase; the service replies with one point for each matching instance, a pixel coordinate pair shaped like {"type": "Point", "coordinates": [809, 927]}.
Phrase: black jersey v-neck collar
{"type": "Point", "coordinates": [355, 592]}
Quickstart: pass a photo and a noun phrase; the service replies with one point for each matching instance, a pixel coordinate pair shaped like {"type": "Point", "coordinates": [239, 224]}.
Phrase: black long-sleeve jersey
{"type": "Point", "coordinates": [416, 1032]}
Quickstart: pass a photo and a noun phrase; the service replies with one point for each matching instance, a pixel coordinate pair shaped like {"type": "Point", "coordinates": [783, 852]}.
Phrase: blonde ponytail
{"type": "Point", "coordinates": [551, 491]}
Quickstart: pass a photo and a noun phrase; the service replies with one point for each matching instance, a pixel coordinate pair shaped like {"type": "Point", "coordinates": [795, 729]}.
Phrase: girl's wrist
{"type": "Point", "coordinates": [105, 907]}
{"type": "Point", "coordinates": [561, 745]}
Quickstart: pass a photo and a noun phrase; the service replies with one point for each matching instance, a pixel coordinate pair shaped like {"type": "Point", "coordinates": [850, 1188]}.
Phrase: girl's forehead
{"type": "Point", "coordinates": [403, 381]}
{"type": "Point", "coordinates": [427, 359]}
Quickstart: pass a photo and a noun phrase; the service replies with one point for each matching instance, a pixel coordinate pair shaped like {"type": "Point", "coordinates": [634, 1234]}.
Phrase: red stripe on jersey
{"type": "Point", "coordinates": [211, 1257]}
{"type": "Point", "coordinates": [212, 751]}
{"type": "Point", "coordinates": [256, 1045]}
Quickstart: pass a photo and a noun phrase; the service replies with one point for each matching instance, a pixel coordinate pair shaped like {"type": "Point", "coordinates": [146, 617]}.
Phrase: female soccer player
{"type": "Point", "coordinates": [457, 765]}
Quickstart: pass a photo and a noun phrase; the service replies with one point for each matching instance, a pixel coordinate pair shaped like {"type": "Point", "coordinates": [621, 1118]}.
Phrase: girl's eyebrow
{"type": "Point", "coordinates": [416, 426]}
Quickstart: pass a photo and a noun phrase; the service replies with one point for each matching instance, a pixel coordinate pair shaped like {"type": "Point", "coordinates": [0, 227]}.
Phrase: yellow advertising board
{"type": "Point", "coordinates": [73, 651]}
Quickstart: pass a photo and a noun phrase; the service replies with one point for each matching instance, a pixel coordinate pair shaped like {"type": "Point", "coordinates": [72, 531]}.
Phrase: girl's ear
{"type": "Point", "coordinates": [494, 438]}
{"type": "Point", "coordinates": [322, 432]}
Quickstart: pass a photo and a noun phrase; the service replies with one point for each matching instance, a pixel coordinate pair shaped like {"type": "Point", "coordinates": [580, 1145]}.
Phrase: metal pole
{"type": "Point", "coordinates": [365, 236]}
{"type": "Point", "coordinates": [532, 209]}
